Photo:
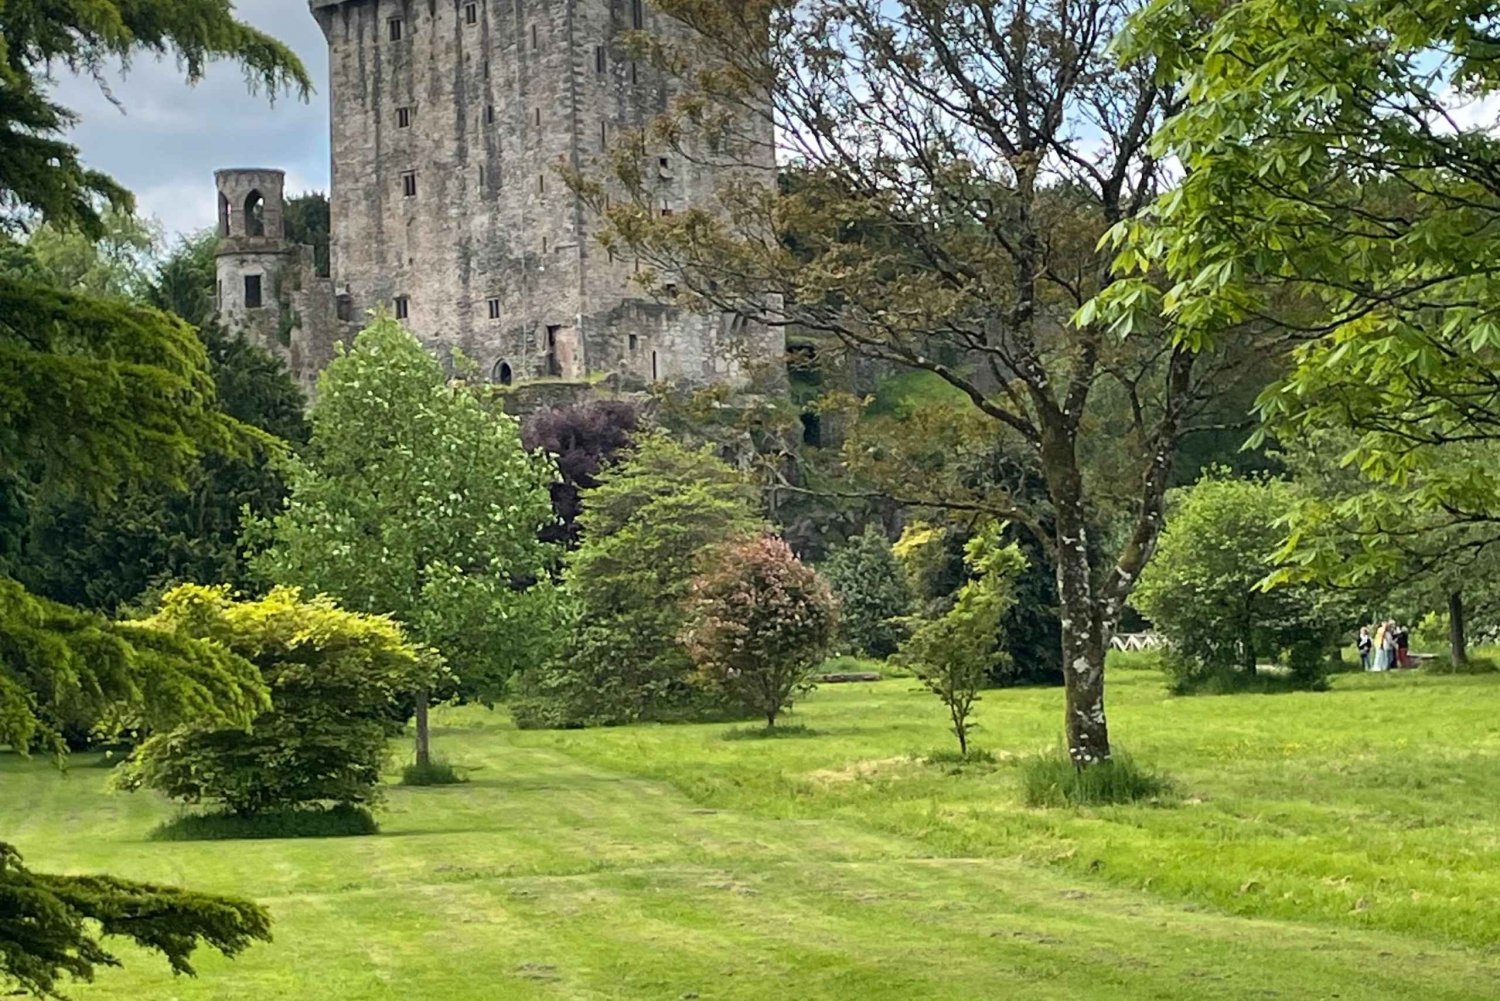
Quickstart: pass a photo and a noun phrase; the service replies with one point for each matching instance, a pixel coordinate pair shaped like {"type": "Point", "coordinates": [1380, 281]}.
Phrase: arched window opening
{"type": "Point", "coordinates": [503, 373]}
{"type": "Point", "coordinates": [223, 214]}
{"type": "Point", "coordinates": [255, 214]}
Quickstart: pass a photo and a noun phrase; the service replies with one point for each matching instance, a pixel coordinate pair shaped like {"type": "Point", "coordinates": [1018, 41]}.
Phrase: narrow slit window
{"type": "Point", "coordinates": [403, 118]}
{"type": "Point", "coordinates": [403, 307]}
{"type": "Point", "coordinates": [533, 36]}
{"type": "Point", "coordinates": [409, 184]}
{"type": "Point", "coordinates": [252, 292]}
{"type": "Point", "coordinates": [486, 69]}
{"type": "Point", "coordinates": [633, 77]}
{"type": "Point", "coordinates": [655, 375]}
{"type": "Point", "coordinates": [637, 14]}
{"type": "Point", "coordinates": [494, 308]}
{"type": "Point", "coordinates": [541, 183]}
{"type": "Point", "coordinates": [481, 175]}
{"type": "Point", "coordinates": [603, 135]}
{"type": "Point", "coordinates": [536, 116]}
{"type": "Point", "coordinates": [395, 29]}
{"type": "Point", "coordinates": [471, 13]}
{"type": "Point", "coordinates": [598, 59]}
{"type": "Point", "coordinates": [544, 244]}
{"type": "Point", "coordinates": [489, 114]}
{"type": "Point", "coordinates": [635, 342]}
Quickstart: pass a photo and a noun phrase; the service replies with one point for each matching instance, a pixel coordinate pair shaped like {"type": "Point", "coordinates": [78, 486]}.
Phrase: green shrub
{"type": "Point", "coordinates": [872, 591]}
{"type": "Point", "coordinates": [1051, 779]}
{"type": "Point", "coordinates": [335, 678]}
{"type": "Point", "coordinates": [758, 620]}
{"type": "Point", "coordinates": [1203, 588]}
{"type": "Point", "coordinates": [434, 773]}
{"type": "Point", "coordinates": [342, 820]}
{"type": "Point", "coordinates": [646, 529]}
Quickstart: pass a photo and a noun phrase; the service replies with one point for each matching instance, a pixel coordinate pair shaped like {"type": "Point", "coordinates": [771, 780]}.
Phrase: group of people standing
{"type": "Point", "coordinates": [1386, 648]}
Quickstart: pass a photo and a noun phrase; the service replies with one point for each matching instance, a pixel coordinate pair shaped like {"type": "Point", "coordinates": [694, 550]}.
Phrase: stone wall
{"type": "Point", "coordinates": [445, 145]}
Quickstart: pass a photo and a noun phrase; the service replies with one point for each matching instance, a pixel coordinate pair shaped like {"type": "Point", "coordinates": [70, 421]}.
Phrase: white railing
{"type": "Point", "coordinates": [1137, 641]}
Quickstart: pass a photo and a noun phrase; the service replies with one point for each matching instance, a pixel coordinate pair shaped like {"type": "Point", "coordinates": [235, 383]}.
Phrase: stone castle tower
{"type": "Point", "coordinates": [449, 120]}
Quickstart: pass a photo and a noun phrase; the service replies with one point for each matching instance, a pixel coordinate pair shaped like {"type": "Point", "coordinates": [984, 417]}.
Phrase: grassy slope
{"type": "Point", "coordinates": [1343, 843]}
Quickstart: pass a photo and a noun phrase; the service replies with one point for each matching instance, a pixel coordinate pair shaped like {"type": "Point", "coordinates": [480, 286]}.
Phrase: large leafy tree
{"type": "Point", "coordinates": [413, 500]}
{"type": "Point", "coordinates": [97, 395]}
{"type": "Point", "coordinates": [1339, 158]}
{"type": "Point", "coordinates": [958, 162]}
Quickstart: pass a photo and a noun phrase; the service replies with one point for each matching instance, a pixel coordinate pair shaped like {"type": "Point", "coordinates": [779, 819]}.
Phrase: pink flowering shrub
{"type": "Point", "coordinates": [758, 621]}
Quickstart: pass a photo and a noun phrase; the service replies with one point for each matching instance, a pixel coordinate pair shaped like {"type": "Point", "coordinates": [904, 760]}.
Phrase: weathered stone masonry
{"type": "Point", "coordinates": [448, 120]}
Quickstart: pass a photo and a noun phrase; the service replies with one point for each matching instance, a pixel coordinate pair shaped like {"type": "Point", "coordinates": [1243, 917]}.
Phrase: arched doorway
{"type": "Point", "coordinates": [255, 214]}
{"type": "Point", "coordinates": [502, 373]}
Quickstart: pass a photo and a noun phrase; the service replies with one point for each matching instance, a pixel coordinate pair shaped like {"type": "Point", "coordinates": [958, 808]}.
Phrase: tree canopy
{"type": "Point", "coordinates": [956, 166]}
{"type": "Point", "coordinates": [414, 500]}
{"type": "Point", "coordinates": [1336, 182]}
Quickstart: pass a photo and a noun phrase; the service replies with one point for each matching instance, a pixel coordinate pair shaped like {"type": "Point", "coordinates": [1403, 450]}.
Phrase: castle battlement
{"type": "Point", "coordinates": [449, 120]}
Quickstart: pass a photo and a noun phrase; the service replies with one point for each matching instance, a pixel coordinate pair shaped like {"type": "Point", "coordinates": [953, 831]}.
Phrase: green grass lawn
{"type": "Point", "coordinates": [1343, 844]}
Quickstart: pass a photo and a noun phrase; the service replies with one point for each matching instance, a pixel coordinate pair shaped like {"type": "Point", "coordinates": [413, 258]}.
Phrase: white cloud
{"type": "Point", "coordinates": [170, 138]}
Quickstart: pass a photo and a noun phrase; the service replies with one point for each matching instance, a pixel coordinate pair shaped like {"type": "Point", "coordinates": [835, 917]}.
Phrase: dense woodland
{"type": "Point", "coordinates": [1107, 316]}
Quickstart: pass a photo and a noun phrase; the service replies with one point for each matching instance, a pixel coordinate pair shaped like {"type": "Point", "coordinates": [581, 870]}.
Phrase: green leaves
{"type": "Point", "coordinates": [50, 926]}
{"type": "Point", "coordinates": [415, 501]}
{"type": "Point", "coordinates": [60, 667]}
{"type": "Point", "coordinates": [40, 172]}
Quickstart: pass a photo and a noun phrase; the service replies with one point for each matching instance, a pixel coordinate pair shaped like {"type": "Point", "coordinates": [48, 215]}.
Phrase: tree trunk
{"type": "Point", "coordinates": [424, 738]}
{"type": "Point", "coordinates": [1082, 618]}
{"type": "Point", "coordinates": [1458, 647]}
{"type": "Point", "coordinates": [1083, 655]}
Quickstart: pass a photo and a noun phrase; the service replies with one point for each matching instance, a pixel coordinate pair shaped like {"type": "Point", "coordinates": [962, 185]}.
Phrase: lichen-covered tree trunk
{"type": "Point", "coordinates": [1083, 623]}
{"type": "Point", "coordinates": [1083, 662]}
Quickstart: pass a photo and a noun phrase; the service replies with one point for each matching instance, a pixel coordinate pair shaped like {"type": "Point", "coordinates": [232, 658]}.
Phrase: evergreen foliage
{"type": "Point", "coordinates": [40, 173]}
{"type": "Point", "coordinates": [336, 679]}
{"type": "Point", "coordinates": [957, 653]}
{"type": "Point", "coordinates": [107, 555]}
{"type": "Point", "coordinates": [758, 620]}
{"type": "Point", "coordinates": [872, 591]}
{"type": "Point", "coordinates": [645, 530]}
{"type": "Point", "coordinates": [50, 926]}
{"type": "Point", "coordinates": [66, 670]}
{"type": "Point", "coordinates": [100, 392]}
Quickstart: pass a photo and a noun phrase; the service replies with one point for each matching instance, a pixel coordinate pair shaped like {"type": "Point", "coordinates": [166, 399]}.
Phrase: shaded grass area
{"type": "Point", "coordinates": [1344, 844]}
{"type": "Point", "coordinates": [340, 821]}
{"type": "Point", "coordinates": [434, 773]}
{"type": "Point", "coordinates": [1051, 779]}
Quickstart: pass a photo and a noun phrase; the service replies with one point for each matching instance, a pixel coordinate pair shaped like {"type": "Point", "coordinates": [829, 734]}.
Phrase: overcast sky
{"type": "Point", "coordinates": [171, 137]}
